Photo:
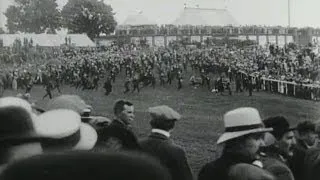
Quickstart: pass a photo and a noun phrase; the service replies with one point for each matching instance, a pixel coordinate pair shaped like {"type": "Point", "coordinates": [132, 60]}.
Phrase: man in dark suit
{"type": "Point", "coordinates": [118, 135]}
{"type": "Point", "coordinates": [159, 145]}
{"type": "Point", "coordinates": [306, 140]}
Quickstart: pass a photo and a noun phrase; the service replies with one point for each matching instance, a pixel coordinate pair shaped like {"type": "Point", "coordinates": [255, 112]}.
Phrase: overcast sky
{"type": "Point", "coordinates": [258, 12]}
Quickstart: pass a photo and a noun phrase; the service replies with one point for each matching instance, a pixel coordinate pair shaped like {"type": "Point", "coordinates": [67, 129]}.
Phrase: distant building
{"type": "Point", "coordinates": [49, 40]}
{"type": "Point", "coordinates": [205, 17]}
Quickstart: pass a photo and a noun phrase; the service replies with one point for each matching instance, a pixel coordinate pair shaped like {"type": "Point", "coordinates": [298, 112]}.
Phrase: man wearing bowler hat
{"type": "Point", "coordinates": [277, 156]}
{"type": "Point", "coordinates": [159, 145]}
{"type": "Point", "coordinates": [242, 139]}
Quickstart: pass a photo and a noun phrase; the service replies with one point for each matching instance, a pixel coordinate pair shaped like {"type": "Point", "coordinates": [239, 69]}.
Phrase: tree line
{"type": "Point", "coordinates": [92, 17]}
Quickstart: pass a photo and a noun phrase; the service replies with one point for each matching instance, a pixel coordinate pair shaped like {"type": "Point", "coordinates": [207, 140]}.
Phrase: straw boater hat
{"type": "Point", "coordinates": [240, 122]}
{"type": "Point", "coordinates": [64, 127]}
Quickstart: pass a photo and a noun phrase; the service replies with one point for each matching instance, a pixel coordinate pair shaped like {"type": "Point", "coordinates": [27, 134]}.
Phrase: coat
{"type": "Point", "coordinates": [219, 169]}
{"type": "Point", "coordinates": [118, 136]}
{"type": "Point", "coordinates": [170, 155]}
{"type": "Point", "coordinates": [274, 163]}
{"type": "Point", "coordinates": [297, 160]}
{"type": "Point", "coordinates": [311, 164]}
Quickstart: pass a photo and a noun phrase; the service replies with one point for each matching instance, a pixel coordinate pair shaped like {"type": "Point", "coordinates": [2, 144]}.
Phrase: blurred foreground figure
{"type": "Point", "coordinates": [19, 138]}
{"type": "Point", "coordinates": [249, 172]}
{"type": "Point", "coordinates": [243, 136]}
{"type": "Point", "coordinates": [87, 166]}
{"type": "Point", "coordinates": [65, 131]}
{"type": "Point", "coordinates": [159, 144]}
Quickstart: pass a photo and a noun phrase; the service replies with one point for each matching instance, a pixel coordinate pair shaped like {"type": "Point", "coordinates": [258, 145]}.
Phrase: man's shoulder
{"type": "Point", "coordinates": [211, 170]}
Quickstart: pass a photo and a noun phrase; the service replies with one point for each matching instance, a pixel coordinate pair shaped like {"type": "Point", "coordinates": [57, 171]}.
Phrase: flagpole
{"type": "Point", "coordinates": [289, 13]}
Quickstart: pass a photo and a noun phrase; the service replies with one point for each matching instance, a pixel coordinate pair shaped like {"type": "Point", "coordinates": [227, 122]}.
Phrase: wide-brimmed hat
{"type": "Point", "coordinates": [16, 102]}
{"type": "Point", "coordinates": [71, 102]}
{"type": "Point", "coordinates": [240, 122]}
{"type": "Point", "coordinates": [65, 129]}
{"type": "Point", "coordinates": [164, 113]}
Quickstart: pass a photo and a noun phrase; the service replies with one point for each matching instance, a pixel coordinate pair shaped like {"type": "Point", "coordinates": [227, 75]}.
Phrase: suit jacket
{"type": "Point", "coordinates": [219, 169]}
{"type": "Point", "coordinates": [170, 155]}
{"type": "Point", "coordinates": [275, 163]}
{"type": "Point", "coordinates": [118, 136]}
{"type": "Point", "coordinates": [297, 160]}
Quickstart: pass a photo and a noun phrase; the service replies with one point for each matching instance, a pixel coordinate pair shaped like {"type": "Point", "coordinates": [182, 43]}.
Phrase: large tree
{"type": "Point", "coordinates": [33, 16]}
{"type": "Point", "coordinates": [92, 17]}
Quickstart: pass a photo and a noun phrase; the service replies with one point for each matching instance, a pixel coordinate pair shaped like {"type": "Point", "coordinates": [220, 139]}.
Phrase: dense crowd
{"type": "Point", "coordinates": [64, 141]}
{"type": "Point", "coordinates": [89, 68]}
{"type": "Point", "coordinates": [44, 142]}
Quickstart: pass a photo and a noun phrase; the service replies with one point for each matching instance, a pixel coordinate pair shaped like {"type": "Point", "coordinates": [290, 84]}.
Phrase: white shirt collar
{"type": "Point", "coordinates": [160, 131]}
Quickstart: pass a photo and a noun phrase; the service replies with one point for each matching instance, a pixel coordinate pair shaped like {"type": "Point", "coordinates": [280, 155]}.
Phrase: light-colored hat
{"type": "Point", "coordinates": [61, 124]}
{"type": "Point", "coordinates": [16, 102]}
{"type": "Point", "coordinates": [71, 102]}
{"type": "Point", "coordinates": [164, 112]}
{"type": "Point", "coordinates": [240, 122]}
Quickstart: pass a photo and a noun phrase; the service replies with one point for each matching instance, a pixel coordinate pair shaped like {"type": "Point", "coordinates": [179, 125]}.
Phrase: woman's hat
{"type": "Point", "coordinates": [240, 122]}
{"type": "Point", "coordinates": [65, 130]}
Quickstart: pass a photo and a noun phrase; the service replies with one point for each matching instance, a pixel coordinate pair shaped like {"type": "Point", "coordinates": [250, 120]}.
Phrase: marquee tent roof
{"type": "Point", "coordinates": [49, 40]}
{"type": "Point", "coordinates": [137, 20]}
{"type": "Point", "coordinates": [205, 17]}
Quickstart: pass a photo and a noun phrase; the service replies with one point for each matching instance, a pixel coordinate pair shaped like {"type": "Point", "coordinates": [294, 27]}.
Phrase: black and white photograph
{"type": "Point", "coordinates": [160, 89]}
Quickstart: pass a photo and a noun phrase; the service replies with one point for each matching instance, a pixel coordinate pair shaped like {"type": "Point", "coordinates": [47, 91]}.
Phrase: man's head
{"type": "Point", "coordinates": [247, 145]}
{"type": "Point", "coordinates": [124, 111]}
{"type": "Point", "coordinates": [307, 132]}
{"type": "Point", "coordinates": [244, 131]}
{"type": "Point", "coordinates": [284, 134]}
{"type": "Point", "coordinates": [163, 117]}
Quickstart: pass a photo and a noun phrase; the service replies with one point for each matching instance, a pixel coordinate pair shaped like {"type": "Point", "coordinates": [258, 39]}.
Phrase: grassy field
{"type": "Point", "coordinates": [202, 112]}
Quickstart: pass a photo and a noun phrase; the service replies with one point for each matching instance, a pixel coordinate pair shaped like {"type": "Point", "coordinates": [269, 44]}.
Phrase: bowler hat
{"type": "Point", "coordinates": [17, 125]}
{"type": "Point", "coordinates": [240, 122]}
{"type": "Point", "coordinates": [164, 113]}
{"type": "Point", "coordinates": [65, 130]}
{"type": "Point", "coordinates": [279, 124]}
{"type": "Point", "coordinates": [87, 166]}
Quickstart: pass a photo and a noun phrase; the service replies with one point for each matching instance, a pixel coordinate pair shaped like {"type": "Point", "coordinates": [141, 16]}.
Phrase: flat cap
{"type": "Point", "coordinates": [164, 112]}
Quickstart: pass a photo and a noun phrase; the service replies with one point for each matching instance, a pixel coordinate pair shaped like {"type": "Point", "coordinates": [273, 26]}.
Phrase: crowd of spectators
{"type": "Point", "coordinates": [64, 141]}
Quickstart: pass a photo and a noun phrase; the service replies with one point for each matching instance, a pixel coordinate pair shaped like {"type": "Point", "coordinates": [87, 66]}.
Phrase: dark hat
{"type": "Point", "coordinates": [164, 113]}
{"type": "Point", "coordinates": [279, 124]}
{"type": "Point", "coordinates": [87, 166]}
{"type": "Point", "coordinates": [17, 125]}
{"type": "Point", "coordinates": [306, 126]}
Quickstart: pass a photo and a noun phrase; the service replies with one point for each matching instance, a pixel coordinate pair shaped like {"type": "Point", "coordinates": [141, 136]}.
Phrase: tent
{"type": "Point", "coordinates": [205, 17]}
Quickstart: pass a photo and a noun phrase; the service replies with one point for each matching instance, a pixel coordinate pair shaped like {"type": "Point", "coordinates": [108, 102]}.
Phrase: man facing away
{"type": "Point", "coordinates": [159, 145]}
{"type": "Point", "coordinates": [118, 135]}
